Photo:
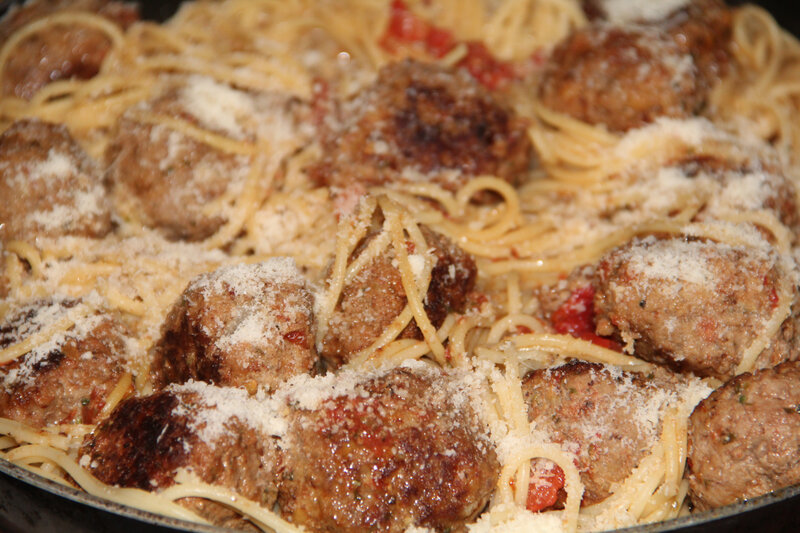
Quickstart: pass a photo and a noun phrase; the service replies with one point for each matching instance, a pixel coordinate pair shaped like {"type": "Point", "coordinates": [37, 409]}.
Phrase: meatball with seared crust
{"type": "Point", "coordinates": [242, 325]}
{"type": "Point", "coordinates": [703, 29]}
{"type": "Point", "coordinates": [168, 180]}
{"type": "Point", "coordinates": [58, 51]}
{"type": "Point", "coordinates": [627, 75]}
{"type": "Point", "coordinates": [56, 187]}
{"type": "Point", "coordinates": [744, 438]}
{"type": "Point", "coordinates": [623, 78]}
{"type": "Point", "coordinates": [68, 376]}
{"type": "Point", "coordinates": [374, 298]}
{"type": "Point", "coordinates": [421, 122]}
{"type": "Point", "coordinates": [744, 183]}
{"type": "Point", "coordinates": [608, 417]}
{"type": "Point", "coordinates": [404, 448]}
{"type": "Point", "coordinates": [695, 305]}
{"type": "Point", "coordinates": [221, 436]}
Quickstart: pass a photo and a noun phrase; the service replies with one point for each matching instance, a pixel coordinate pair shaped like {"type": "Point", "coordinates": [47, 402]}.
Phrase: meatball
{"type": "Point", "coordinates": [608, 417]}
{"type": "Point", "coordinates": [743, 439]}
{"type": "Point", "coordinates": [553, 297]}
{"type": "Point", "coordinates": [166, 179]}
{"type": "Point", "coordinates": [66, 378]}
{"type": "Point", "coordinates": [60, 51]}
{"type": "Point", "coordinates": [694, 305]}
{"type": "Point", "coordinates": [401, 449]}
{"type": "Point", "coordinates": [220, 435]}
{"type": "Point", "coordinates": [422, 122]}
{"type": "Point", "coordinates": [57, 189]}
{"type": "Point", "coordinates": [703, 28]}
{"type": "Point", "coordinates": [623, 78]}
{"type": "Point", "coordinates": [700, 28]}
{"type": "Point", "coordinates": [242, 325]}
{"type": "Point", "coordinates": [370, 303]}
{"type": "Point", "coordinates": [745, 184]}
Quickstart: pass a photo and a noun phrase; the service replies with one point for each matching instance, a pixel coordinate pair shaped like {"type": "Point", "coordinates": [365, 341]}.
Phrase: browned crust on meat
{"type": "Point", "coordinates": [401, 454]}
{"type": "Point", "coordinates": [27, 144]}
{"type": "Point", "coordinates": [704, 29]}
{"type": "Point", "coordinates": [144, 442]}
{"type": "Point", "coordinates": [727, 170]}
{"type": "Point", "coordinates": [699, 327]}
{"type": "Point", "coordinates": [66, 386]}
{"type": "Point", "coordinates": [189, 347]}
{"type": "Point", "coordinates": [586, 407]}
{"type": "Point", "coordinates": [744, 438]}
{"type": "Point", "coordinates": [424, 118]}
{"type": "Point", "coordinates": [626, 77]}
{"type": "Point", "coordinates": [58, 52]}
{"type": "Point", "coordinates": [622, 78]}
{"type": "Point", "coordinates": [164, 189]}
{"type": "Point", "coordinates": [376, 296]}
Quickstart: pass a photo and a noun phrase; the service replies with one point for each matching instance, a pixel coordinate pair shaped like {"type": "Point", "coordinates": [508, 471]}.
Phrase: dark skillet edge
{"type": "Point", "coordinates": [30, 503]}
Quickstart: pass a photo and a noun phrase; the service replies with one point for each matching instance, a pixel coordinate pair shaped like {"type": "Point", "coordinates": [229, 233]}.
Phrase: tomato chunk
{"type": "Point", "coordinates": [544, 488]}
{"type": "Point", "coordinates": [576, 317]}
{"type": "Point", "coordinates": [407, 30]}
{"type": "Point", "coordinates": [484, 67]}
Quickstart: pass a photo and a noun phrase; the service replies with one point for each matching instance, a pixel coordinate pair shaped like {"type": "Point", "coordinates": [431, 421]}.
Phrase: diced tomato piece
{"type": "Point", "coordinates": [543, 491]}
{"type": "Point", "coordinates": [404, 28]}
{"type": "Point", "coordinates": [439, 41]}
{"type": "Point", "coordinates": [576, 317]}
{"type": "Point", "coordinates": [484, 67]}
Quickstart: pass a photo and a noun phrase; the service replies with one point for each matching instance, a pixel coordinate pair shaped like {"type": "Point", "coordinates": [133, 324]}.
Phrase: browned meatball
{"type": "Point", "coordinates": [745, 184]}
{"type": "Point", "coordinates": [703, 29]}
{"type": "Point", "coordinates": [694, 305]}
{"type": "Point", "coordinates": [57, 189]}
{"type": "Point", "coordinates": [218, 434]}
{"type": "Point", "coordinates": [68, 377]}
{"type": "Point", "coordinates": [370, 303]}
{"type": "Point", "coordinates": [700, 28]}
{"type": "Point", "coordinates": [240, 325]}
{"type": "Point", "coordinates": [166, 179]}
{"type": "Point", "coordinates": [401, 449]}
{"type": "Point", "coordinates": [422, 122]}
{"type": "Point", "coordinates": [744, 438]}
{"type": "Point", "coordinates": [552, 297]}
{"type": "Point", "coordinates": [61, 51]}
{"type": "Point", "coordinates": [623, 78]}
{"type": "Point", "coordinates": [608, 417]}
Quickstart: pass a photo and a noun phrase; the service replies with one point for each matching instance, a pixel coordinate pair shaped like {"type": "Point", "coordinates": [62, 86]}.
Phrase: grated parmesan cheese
{"type": "Point", "coordinates": [674, 260]}
{"type": "Point", "coordinates": [625, 11]}
{"type": "Point", "coordinates": [212, 418]}
{"type": "Point", "coordinates": [217, 106]}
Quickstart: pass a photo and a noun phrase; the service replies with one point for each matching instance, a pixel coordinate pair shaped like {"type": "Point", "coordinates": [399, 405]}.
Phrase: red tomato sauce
{"type": "Point", "coordinates": [576, 317]}
{"type": "Point", "coordinates": [407, 30]}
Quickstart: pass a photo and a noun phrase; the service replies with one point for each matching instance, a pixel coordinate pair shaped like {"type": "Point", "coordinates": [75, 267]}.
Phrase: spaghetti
{"type": "Point", "coordinates": [591, 191]}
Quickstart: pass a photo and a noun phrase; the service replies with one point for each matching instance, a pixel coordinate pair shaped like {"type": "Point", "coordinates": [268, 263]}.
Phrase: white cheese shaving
{"type": "Point", "coordinates": [217, 106]}
{"type": "Point", "coordinates": [625, 11]}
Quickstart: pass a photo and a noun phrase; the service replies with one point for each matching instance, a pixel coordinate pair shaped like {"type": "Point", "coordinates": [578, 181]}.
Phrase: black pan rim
{"type": "Point", "coordinates": [20, 473]}
{"type": "Point", "coordinates": [160, 11]}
